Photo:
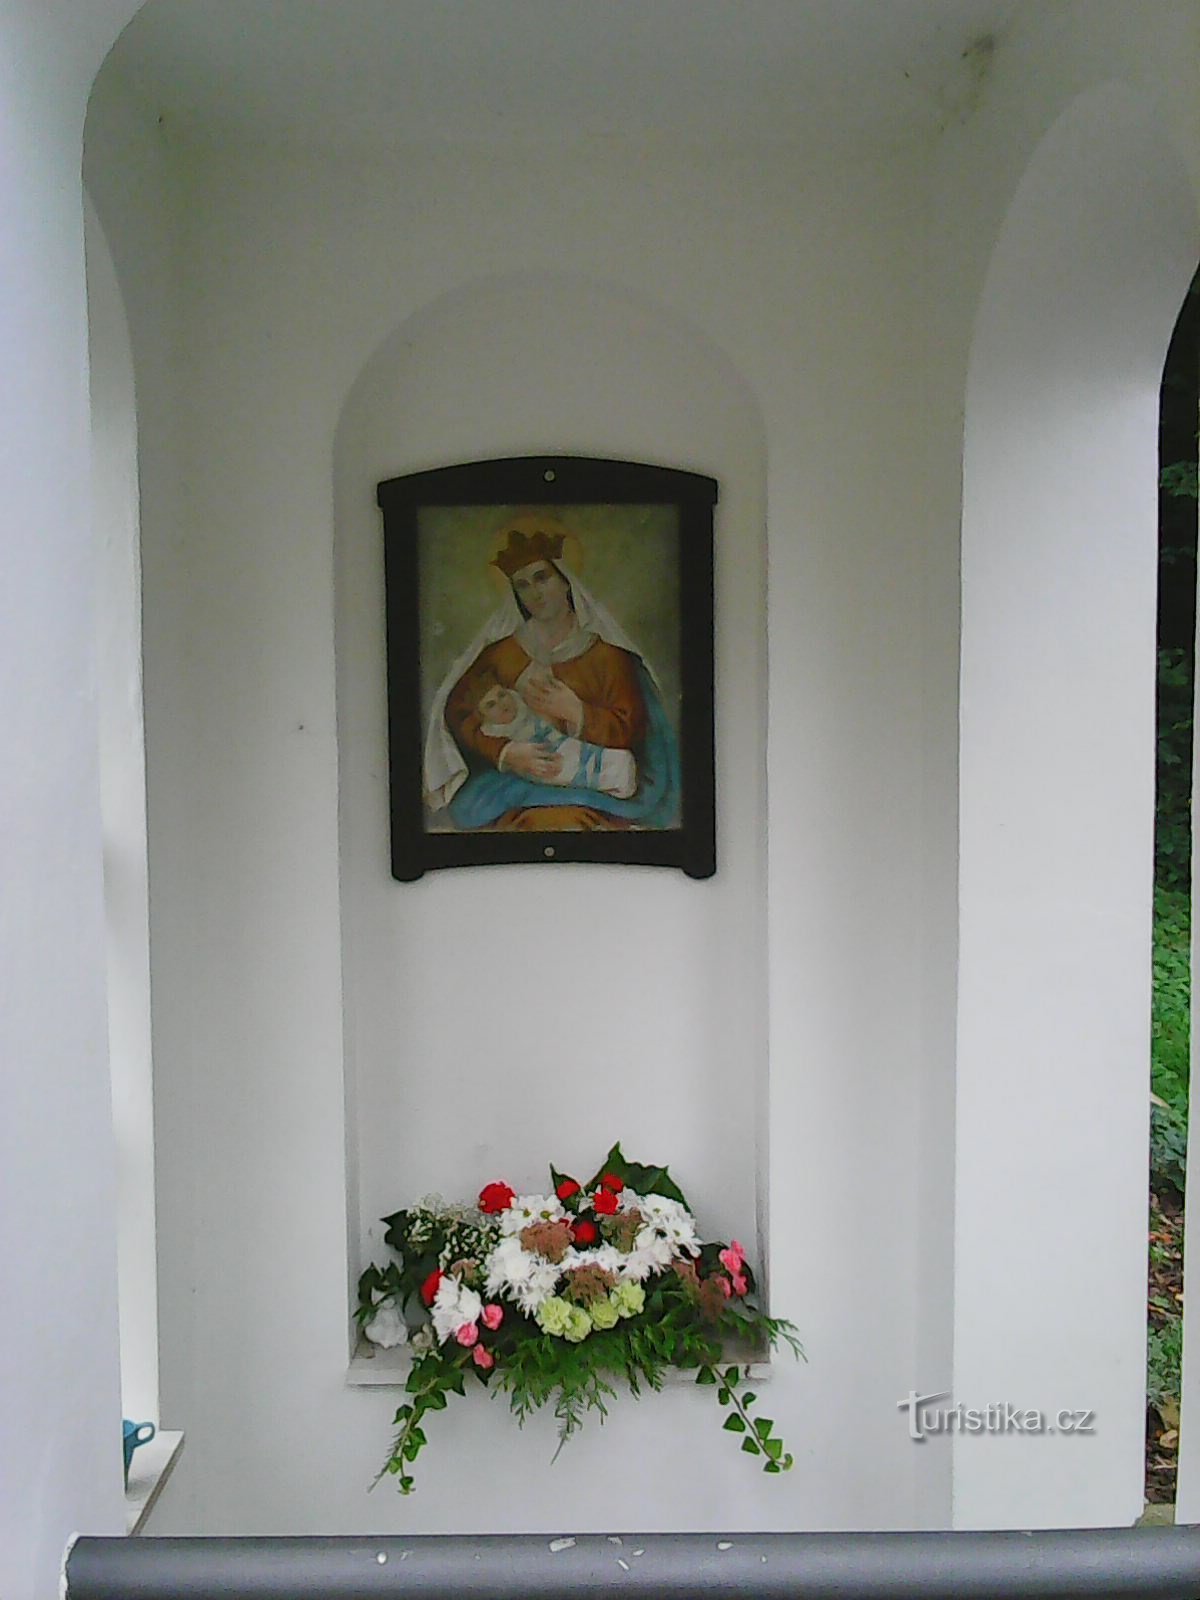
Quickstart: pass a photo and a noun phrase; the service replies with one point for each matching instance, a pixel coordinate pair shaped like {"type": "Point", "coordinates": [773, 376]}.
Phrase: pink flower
{"type": "Point", "coordinates": [467, 1334]}
{"type": "Point", "coordinates": [740, 1284]}
{"type": "Point", "coordinates": [483, 1359]}
{"type": "Point", "coordinates": [724, 1282]}
{"type": "Point", "coordinates": [492, 1316]}
{"type": "Point", "coordinates": [732, 1258]}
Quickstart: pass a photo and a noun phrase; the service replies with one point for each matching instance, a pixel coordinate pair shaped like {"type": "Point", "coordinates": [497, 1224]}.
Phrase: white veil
{"type": "Point", "coordinates": [445, 769]}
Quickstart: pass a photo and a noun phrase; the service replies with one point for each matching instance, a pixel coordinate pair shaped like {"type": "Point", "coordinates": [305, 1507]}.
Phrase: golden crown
{"type": "Point", "coordinates": [523, 548]}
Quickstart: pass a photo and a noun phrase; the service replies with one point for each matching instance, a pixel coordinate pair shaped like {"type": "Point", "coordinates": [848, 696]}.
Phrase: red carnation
{"type": "Point", "coordinates": [567, 1188]}
{"type": "Point", "coordinates": [611, 1182]}
{"type": "Point", "coordinates": [429, 1288]}
{"type": "Point", "coordinates": [605, 1202]}
{"type": "Point", "coordinates": [584, 1233]}
{"type": "Point", "coordinates": [496, 1197]}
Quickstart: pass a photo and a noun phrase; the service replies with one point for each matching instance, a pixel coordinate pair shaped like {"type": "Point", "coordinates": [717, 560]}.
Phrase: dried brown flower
{"type": "Point", "coordinates": [549, 1239]}
{"type": "Point", "coordinates": [686, 1272]}
{"type": "Point", "coordinates": [714, 1295]}
{"type": "Point", "coordinates": [586, 1285]}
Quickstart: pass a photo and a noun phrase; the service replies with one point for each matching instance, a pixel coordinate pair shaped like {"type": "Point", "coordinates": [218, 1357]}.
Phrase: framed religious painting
{"type": "Point", "coordinates": [550, 664]}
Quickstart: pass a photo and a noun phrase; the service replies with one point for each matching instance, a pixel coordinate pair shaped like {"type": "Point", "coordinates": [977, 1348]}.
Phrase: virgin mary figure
{"type": "Point", "coordinates": [549, 697]}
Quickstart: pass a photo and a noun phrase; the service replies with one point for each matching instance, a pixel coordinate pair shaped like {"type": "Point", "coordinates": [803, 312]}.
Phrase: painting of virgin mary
{"type": "Point", "coordinates": [551, 718]}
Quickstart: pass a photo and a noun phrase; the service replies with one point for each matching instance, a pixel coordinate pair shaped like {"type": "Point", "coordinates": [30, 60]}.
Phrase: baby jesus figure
{"type": "Point", "coordinates": [570, 763]}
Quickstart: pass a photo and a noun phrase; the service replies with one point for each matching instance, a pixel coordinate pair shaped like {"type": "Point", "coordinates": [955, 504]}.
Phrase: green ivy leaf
{"type": "Point", "coordinates": [749, 1446]}
{"type": "Point", "coordinates": [706, 1375]}
{"type": "Point", "coordinates": [774, 1448]}
{"type": "Point", "coordinates": [734, 1424]}
{"type": "Point", "coordinates": [723, 1395]}
{"type": "Point", "coordinates": [763, 1426]}
{"type": "Point", "coordinates": [749, 1398]}
{"type": "Point", "coordinates": [772, 1466]}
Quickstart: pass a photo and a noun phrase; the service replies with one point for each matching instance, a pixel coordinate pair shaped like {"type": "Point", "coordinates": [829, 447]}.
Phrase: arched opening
{"type": "Point", "coordinates": [1171, 1030]}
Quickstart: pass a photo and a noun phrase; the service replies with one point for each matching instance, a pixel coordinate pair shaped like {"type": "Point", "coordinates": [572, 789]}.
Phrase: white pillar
{"type": "Point", "coordinates": [59, 1395]}
{"type": "Point", "coordinates": [1056, 815]}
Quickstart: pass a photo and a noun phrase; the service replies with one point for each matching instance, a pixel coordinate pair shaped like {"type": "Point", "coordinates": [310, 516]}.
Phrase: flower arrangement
{"type": "Point", "coordinates": [555, 1297]}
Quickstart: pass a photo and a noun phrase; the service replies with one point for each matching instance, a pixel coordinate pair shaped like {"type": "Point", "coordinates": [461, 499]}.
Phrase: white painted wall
{"type": "Point", "coordinates": [609, 1003]}
{"type": "Point", "coordinates": [116, 531]}
{"type": "Point", "coordinates": [243, 782]}
{"type": "Point", "coordinates": [1058, 664]}
{"type": "Point", "coordinates": [60, 1405]}
{"type": "Point", "coordinates": [844, 296]}
{"type": "Point", "coordinates": [1063, 191]}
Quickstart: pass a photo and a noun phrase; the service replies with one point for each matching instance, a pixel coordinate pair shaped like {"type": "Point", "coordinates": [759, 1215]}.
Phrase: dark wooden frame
{"type": "Point", "coordinates": [551, 480]}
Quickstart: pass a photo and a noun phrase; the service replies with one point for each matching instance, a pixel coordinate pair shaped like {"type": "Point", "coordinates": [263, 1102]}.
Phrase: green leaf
{"type": "Point", "coordinates": [774, 1448]}
{"type": "Point", "coordinates": [763, 1426]}
{"type": "Point", "coordinates": [706, 1375]}
{"type": "Point", "coordinates": [734, 1424]}
{"type": "Point", "coordinates": [730, 1374]}
{"type": "Point", "coordinates": [643, 1179]}
{"type": "Point", "coordinates": [749, 1398]}
{"type": "Point", "coordinates": [749, 1446]}
{"type": "Point", "coordinates": [787, 1463]}
{"type": "Point", "coordinates": [772, 1466]}
{"type": "Point", "coordinates": [436, 1401]}
{"type": "Point", "coordinates": [723, 1395]}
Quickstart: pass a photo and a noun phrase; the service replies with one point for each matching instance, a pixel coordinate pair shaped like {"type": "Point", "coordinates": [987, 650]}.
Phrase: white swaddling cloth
{"type": "Point", "coordinates": [583, 766]}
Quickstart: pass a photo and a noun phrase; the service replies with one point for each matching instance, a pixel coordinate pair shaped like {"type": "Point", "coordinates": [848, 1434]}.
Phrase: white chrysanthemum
{"type": "Point", "coordinates": [601, 1255]}
{"type": "Point", "coordinates": [537, 1288]}
{"type": "Point", "coordinates": [508, 1264]}
{"type": "Point", "coordinates": [453, 1305]}
{"type": "Point", "coordinates": [529, 1208]}
{"type": "Point", "coordinates": [519, 1275]}
{"type": "Point", "coordinates": [387, 1327]}
{"type": "Point", "coordinates": [672, 1221]}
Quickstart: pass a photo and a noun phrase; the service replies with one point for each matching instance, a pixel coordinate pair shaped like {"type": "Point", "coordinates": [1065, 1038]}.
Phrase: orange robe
{"type": "Point", "coordinates": [614, 715]}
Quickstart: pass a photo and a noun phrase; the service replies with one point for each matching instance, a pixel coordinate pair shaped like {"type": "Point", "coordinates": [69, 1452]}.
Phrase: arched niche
{"type": "Point", "coordinates": [500, 1017]}
{"type": "Point", "coordinates": [1056, 810]}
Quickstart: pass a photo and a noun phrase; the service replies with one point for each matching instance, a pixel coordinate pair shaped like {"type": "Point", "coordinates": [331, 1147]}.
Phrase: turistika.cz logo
{"type": "Point", "coordinates": [927, 1418]}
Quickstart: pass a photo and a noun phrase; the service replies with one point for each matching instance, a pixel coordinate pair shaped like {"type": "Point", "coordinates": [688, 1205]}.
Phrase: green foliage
{"type": "Point", "coordinates": [642, 1179]}
{"type": "Point", "coordinates": [1168, 1149]}
{"type": "Point", "coordinates": [1173, 814]}
{"type": "Point", "coordinates": [1179, 480]}
{"type": "Point", "coordinates": [1164, 1361]}
{"type": "Point", "coordinates": [757, 1434]}
{"type": "Point", "coordinates": [1170, 1016]}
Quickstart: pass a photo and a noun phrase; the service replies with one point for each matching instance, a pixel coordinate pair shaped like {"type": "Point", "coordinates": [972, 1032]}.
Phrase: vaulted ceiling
{"type": "Point", "coordinates": [372, 74]}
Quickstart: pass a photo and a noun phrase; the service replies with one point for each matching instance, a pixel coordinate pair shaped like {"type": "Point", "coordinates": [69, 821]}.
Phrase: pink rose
{"type": "Point", "coordinates": [732, 1257]}
{"type": "Point", "coordinates": [740, 1283]}
{"type": "Point", "coordinates": [724, 1282]}
{"type": "Point", "coordinates": [492, 1316]}
{"type": "Point", "coordinates": [483, 1359]}
{"type": "Point", "coordinates": [467, 1334]}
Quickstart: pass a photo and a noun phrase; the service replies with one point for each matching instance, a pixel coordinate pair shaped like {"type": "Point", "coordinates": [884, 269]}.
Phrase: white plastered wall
{"type": "Point", "coordinates": [604, 1004]}
{"type": "Point", "coordinates": [293, 273]}
{"type": "Point", "coordinates": [844, 294]}
{"type": "Point", "coordinates": [116, 538]}
{"type": "Point", "coordinates": [60, 1404]}
{"type": "Point", "coordinates": [1056, 820]}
